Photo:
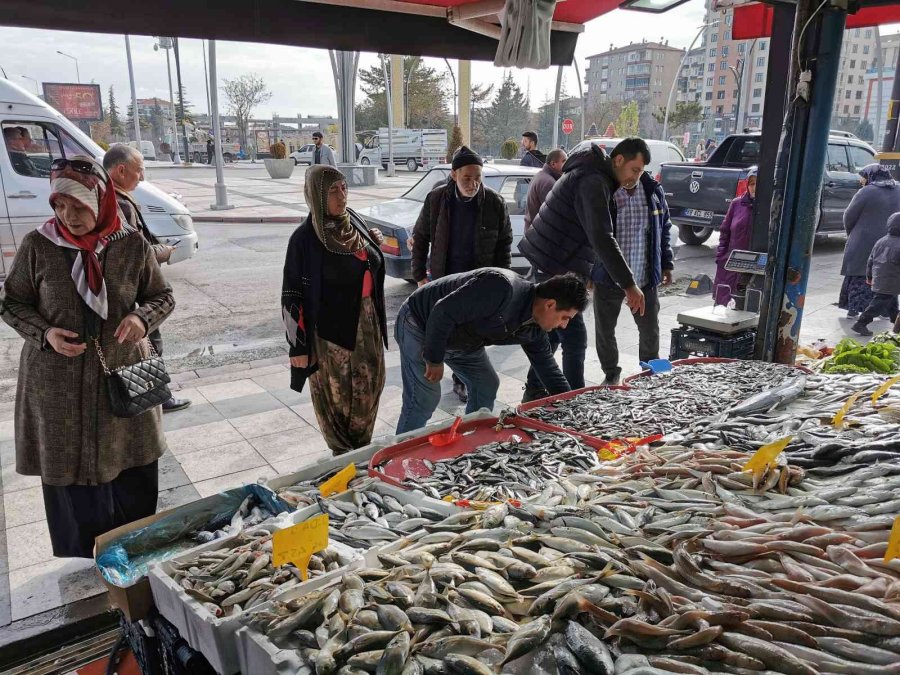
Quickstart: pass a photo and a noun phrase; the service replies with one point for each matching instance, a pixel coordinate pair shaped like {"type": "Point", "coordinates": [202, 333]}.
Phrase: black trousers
{"type": "Point", "coordinates": [573, 339]}
{"type": "Point", "coordinates": [881, 304]}
{"type": "Point", "coordinates": [607, 306]}
{"type": "Point", "coordinates": [77, 514]}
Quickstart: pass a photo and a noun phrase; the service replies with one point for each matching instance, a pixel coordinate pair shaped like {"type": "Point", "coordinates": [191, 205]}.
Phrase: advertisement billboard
{"type": "Point", "coordinates": [78, 102]}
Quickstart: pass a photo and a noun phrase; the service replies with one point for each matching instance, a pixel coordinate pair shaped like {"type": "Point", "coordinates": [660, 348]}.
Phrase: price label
{"type": "Point", "coordinates": [882, 390]}
{"type": "Point", "coordinates": [893, 549]}
{"type": "Point", "coordinates": [339, 481]}
{"type": "Point", "coordinates": [764, 457]}
{"type": "Point", "coordinates": [297, 544]}
{"type": "Point", "coordinates": [842, 413]}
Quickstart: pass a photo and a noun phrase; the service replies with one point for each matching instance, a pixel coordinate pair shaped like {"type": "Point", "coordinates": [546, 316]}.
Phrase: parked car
{"type": "Point", "coordinates": [25, 205]}
{"type": "Point", "coordinates": [304, 155]}
{"type": "Point", "coordinates": [660, 151]}
{"type": "Point", "coordinates": [397, 218]}
{"type": "Point", "coordinates": [699, 193]}
{"type": "Point", "coordinates": [148, 150]}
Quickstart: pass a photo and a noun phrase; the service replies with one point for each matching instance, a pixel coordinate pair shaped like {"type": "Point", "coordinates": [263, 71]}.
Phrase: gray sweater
{"type": "Point", "coordinates": [884, 263]}
{"type": "Point", "coordinates": [865, 221]}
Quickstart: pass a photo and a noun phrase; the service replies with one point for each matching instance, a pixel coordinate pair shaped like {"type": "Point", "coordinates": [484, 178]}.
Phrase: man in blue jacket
{"type": "Point", "coordinates": [452, 319]}
{"type": "Point", "coordinates": [642, 229]}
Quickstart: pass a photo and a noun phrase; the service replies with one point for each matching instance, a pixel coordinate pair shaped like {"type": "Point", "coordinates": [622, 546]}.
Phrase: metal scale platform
{"type": "Point", "coordinates": [719, 330]}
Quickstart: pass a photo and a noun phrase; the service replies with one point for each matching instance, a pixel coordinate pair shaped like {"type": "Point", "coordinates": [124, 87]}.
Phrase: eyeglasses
{"type": "Point", "coordinates": [79, 166]}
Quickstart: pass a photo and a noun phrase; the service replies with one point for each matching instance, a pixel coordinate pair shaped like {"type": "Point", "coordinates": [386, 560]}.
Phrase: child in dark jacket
{"type": "Point", "coordinates": [883, 274]}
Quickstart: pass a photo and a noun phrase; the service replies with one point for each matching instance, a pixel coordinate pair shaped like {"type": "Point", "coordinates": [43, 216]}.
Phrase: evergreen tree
{"type": "Point", "coordinates": [116, 130]}
{"type": "Point", "coordinates": [158, 122]}
{"type": "Point", "coordinates": [507, 115]}
{"type": "Point", "coordinates": [426, 95]}
{"type": "Point", "coordinates": [481, 93]}
{"type": "Point", "coordinates": [184, 113]}
{"type": "Point", "coordinates": [455, 142]}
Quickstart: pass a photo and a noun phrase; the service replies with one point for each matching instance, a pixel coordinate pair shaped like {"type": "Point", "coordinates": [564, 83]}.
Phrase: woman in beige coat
{"type": "Point", "coordinates": [84, 274]}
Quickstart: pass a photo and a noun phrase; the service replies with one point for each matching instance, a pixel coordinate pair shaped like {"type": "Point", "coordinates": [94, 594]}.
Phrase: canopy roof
{"type": "Point", "coordinates": [755, 20]}
{"type": "Point", "coordinates": [415, 27]}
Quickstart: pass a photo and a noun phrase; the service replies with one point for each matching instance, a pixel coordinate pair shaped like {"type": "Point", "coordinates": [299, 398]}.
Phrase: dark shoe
{"type": "Point", "coordinates": [534, 394]}
{"type": "Point", "coordinates": [174, 404]}
{"type": "Point", "coordinates": [861, 329]}
{"type": "Point", "coordinates": [459, 388]}
{"type": "Point", "coordinates": [852, 315]}
{"type": "Point", "coordinates": [614, 378]}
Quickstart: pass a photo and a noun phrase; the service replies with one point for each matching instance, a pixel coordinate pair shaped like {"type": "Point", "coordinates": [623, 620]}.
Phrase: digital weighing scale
{"type": "Point", "coordinates": [720, 319]}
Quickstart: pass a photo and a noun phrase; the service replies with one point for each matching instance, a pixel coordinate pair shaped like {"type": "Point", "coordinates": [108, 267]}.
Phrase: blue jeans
{"type": "Point", "coordinates": [573, 339]}
{"type": "Point", "coordinates": [421, 397]}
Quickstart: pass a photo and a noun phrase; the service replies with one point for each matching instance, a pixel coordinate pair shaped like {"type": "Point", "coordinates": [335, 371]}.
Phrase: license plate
{"type": "Point", "coordinates": [694, 213]}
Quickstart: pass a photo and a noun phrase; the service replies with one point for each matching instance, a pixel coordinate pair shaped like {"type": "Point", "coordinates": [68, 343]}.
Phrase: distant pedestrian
{"type": "Point", "coordinates": [125, 166]}
{"type": "Point", "coordinates": [533, 156]}
{"type": "Point", "coordinates": [82, 284]}
{"type": "Point", "coordinates": [865, 222]}
{"type": "Point", "coordinates": [332, 304]}
{"type": "Point", "coordinates": [210, 150]}
{"type": "Point", "coordinates": [734, 234]}
{"type": "Point", "coordinates": [883, 275]}
{"type": "Point", "coordinates": [322, 154]}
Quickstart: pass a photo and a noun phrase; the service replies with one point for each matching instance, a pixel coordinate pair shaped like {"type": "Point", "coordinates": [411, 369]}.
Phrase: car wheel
{"type": "Point", "coordinates": [365, 161]}
{"type": "Point", "coordinates": [694, 235]}
{"type": "Point", "coordinates": [296, 161]}
{"type": "Point", "coordinates": [412, 165]}
{"type": "Point", "coordinates": [197, 158]}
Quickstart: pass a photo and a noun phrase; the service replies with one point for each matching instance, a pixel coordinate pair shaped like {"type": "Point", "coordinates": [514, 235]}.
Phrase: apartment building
{"type": "Point", "coordinates": [640, 71]}
{"type": "Point", "coordinates": [883, 73]}
{"type": "Point", "coordinates": [146, 107]}
{"type": "Point", "coordinates": [858, 55]}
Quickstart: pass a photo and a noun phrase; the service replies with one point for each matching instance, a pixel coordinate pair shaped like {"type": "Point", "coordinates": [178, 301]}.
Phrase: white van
{"type": "Point", "coordinates": [25, 198]}
{"type": "Point", "coordinates": [148, 150]}
{"type": "Point", "coordinates": [660, 151]}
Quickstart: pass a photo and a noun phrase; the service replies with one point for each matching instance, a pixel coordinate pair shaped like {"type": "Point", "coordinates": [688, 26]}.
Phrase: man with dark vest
{"type": "Point", "coordinates": [463, 226]}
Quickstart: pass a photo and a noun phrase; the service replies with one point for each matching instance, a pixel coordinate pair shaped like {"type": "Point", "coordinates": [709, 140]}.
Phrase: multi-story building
{"type": "Point", "coordinates": [735, 85]}
{"type": "Point", "coordinates": [857, 57]}
{"type": "Point", "coordinates": [882, 72]}
{"type": "Point", "coordinates": [147, 105]}
{"type": "Point", "coordinates": [641, 72]}
{"type": "Point", "coordinates": [692, 85]}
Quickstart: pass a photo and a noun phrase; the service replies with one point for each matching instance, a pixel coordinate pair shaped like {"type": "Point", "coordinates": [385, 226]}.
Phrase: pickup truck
{"type": "Point", "coordinates": [698, 193]}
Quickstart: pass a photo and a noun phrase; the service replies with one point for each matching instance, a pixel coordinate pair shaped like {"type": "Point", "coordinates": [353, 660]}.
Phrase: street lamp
{"type": "Point", "coordinates": [406, 78]}
{"type": "Point", "coordinates": [455, 104]}
{"type": "Point", "coordinates": [36, 88]}
{"type": "Point", "coordinates": [166, 44]}
{"type": "Point", "coordinates": [738, 73]}
{"type": "Point", "coordinates": [678, 74]}
{"type": "Point", "coordinates": [77, 74]}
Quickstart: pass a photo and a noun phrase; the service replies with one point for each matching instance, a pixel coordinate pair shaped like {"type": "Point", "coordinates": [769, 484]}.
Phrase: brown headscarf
{"type": "Point", "coordinates": [336, 233]}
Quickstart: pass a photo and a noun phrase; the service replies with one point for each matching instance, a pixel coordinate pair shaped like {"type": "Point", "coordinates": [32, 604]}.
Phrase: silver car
{"type": "Point", "coordinates": [397, 218]}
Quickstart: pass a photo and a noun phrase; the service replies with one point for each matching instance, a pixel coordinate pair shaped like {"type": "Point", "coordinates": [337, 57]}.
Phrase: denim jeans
{"type": "Point", "coordinates": [573, 339]}
{"type": "Point", "coordinates": [421, 397]}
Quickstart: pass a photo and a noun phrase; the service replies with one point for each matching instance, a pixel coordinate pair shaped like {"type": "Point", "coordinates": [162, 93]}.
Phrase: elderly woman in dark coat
{"type": "Point", "coordinates": [84, 278]}
{"type": "Point", "coordinates": [865, 221]}
{"type": "Point", "coordinates": [332, 304]}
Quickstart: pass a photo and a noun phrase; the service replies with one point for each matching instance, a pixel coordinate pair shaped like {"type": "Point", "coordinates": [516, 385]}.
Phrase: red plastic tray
{"type": "Point", "coordinates": [407, 459]}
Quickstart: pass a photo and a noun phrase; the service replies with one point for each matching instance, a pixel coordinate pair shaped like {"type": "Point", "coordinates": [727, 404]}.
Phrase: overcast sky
{"type": "Point", "coordinates": [300, 79]}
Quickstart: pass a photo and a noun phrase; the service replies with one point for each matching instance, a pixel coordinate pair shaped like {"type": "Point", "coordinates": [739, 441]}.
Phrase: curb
{"type": "Point", "coordinates": [292, 220]}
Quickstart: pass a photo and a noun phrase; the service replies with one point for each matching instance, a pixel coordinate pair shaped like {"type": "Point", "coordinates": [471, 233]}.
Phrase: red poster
{"type": "Point", "coordinates": [78, 102]}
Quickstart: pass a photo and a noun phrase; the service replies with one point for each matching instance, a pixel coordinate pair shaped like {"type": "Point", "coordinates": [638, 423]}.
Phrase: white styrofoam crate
{"type": "Point", "coordinates": [212, 636]}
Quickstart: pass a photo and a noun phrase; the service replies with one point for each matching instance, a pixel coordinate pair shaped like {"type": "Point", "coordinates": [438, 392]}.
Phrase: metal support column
{"type": "Point", "coordinates": [465, 101]}
{"type": "Point", "coordinates": [135, 116]}
{"type": "Point", "coordinates": [397, 90]}
{"type": "Point", "coordinates": [391, 169]}
{"type": "Point", "coordinates": [187, 148]}
{"type": "Point", "coordinates": [889, 143]}
{"type": "Point", "coordinates": [559, 75]}
{"type": "Point", "coordinates": [343, 65]}
{"type": "Point", "coordinates": [221, 191]}
{"type": "Point", "coordinates": [801, 160]}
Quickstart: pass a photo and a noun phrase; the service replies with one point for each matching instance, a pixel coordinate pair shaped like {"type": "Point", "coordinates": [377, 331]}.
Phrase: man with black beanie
{"type": "Point", "coordinates": [464, 226]}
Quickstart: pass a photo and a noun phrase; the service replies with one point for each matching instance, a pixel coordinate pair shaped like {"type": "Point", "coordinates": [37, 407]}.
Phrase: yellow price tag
{"type": "Point", "coordinates": [842, 413]}
{"type": "Point", "coordinates": [764, 457]}
{"type": "Point", "coordinates": [882, 390]}
{"type": "Point", "coordinates": [893, 549]}
{"type": "Point", "coordinates": [694, 284]}
{"type": "Point", "coordinates": [297, 544]}
{"type": "Point", "coordinates": [338, 482]}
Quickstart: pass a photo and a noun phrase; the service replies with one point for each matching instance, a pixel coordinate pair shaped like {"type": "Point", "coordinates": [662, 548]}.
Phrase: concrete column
{"type": "Point", "coordinates": [465, 101]}
{"type": "Point", "coordinates": [397, 91]}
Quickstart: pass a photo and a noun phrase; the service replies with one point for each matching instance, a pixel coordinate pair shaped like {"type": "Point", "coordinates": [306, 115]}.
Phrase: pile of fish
{"type": "Point", "coordinates": [241, 575]}
{"type": "Point", "coordinates": [672, 559]}
{"type": "Point", "coordinates": [250, 513]}
{"type": "Point", "coordinates": [364, 518]}
{"type": "Point", "coordinates": [870, 433]}
{"type": "Point", "coordinates": [298, 495]}
{"type": "Point", "coordinates": [513, 469]}
{"type": "Point", "coordinates": [665, 403]}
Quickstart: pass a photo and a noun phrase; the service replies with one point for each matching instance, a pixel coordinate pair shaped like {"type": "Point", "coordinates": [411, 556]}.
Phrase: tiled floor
{"type": "Point", "coordinates": [246, 424]}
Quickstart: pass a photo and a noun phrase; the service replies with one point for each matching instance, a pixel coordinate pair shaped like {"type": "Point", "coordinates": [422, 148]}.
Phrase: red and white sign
{"type": "Point", "coordinates": [568, 126]}
{"type": "Point", "coordinates": [78, 102]}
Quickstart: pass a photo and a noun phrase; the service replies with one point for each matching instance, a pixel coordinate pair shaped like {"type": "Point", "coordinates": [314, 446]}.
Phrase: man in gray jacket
{"type": "Point", "coordinates": [883, 275]}
{"type": "Point", "coordinates": [322, 154]}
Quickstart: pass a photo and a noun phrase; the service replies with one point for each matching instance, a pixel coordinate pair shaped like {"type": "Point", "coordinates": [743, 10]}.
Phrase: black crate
{"type": "Point", "coordinates": [690, 342]}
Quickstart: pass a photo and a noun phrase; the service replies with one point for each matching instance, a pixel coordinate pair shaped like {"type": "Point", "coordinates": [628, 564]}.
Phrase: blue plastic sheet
{"type": "Point", "coordinates": [124, 560]}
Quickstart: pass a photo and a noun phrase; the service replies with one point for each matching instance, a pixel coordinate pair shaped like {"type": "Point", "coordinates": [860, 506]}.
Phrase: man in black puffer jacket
{"type": "Point", "coordinates": [574, 228]}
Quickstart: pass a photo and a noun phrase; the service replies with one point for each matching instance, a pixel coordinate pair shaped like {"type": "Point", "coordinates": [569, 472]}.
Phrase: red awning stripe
{"type": "Point", "coordinates": [755, 21]}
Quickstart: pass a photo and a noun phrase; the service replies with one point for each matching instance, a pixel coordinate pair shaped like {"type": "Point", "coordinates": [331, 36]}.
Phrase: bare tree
{"type": "Point", "coordinates": [244, 94]}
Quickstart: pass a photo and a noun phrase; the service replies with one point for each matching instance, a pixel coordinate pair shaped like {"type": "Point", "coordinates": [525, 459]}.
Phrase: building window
{"type": "Point", "coordinates": [721, 79]}
{"type": "Point", "coordinates": [863, 65]}
{"type": "Point", "coordinates": [758, 77]}
{"type": "Point", "coordinates": [846, 109]}
{"type": "Point", "coordinates": [855, 49]}
{"type": "Point", "coordinates": [720, 94]}
{"type": "Point", "coordinates": [859, 95]}
{"type": "Point", "coordinates": [741, 48]}
{"type": "Point", "coordinates": [734, 94]}
{"type": "Point", "coordinates": [723, 65]}
{"type": "Point", "coordinates": [757, 93]}
{"type": "Point", "coordinates": [847, 93]}
{"type": "Point", "coordinates": [711, 67]}
{"type": "Point", "coordinates": [714, 38]}
{"type": "Point", "coordinates": [709, 96]}
{"type": "Point", "coordinates": [712, 51]}
{"type": "Point", "coordinates": [865, 49]}
{"type": "Point", "coordinates": [856, 33]}
{"type": "Point", "coordinates": [869, 34]}
{"type": "Point", "coordinates": [709, 81]}
{"type": "Point", "coordinates": [760, 61]}
{"type": "Point", "coordinates": [761, 45]}
{"type": "Point", "coordinates": [727, 35]}
{"type": "Point", "coordinates": [852, 64]}
{"type": "Point", "coordinates": [728, 20]}
{"type": "Point", "coordinates": [725, 50]}
{"type": "Point", "coordinates": [719, 109]}
{"type": "Point", "coordinates": [856, 110]}
{"type": "Point", "coordinates": [754, 108]}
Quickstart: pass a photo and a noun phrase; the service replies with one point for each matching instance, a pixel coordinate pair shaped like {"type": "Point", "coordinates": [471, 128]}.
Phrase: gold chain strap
{"type": "Point", "coordinates": [106, 370]}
